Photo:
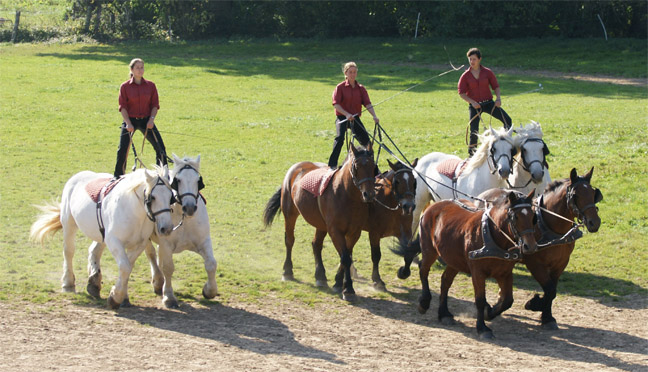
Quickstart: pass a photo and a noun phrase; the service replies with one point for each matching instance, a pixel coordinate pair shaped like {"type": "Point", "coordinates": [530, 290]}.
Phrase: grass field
{"type": "Point", "coordinates": [253, 108]}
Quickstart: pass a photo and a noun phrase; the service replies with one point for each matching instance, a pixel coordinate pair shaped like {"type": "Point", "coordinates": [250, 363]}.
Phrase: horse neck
{"type": "Point", "coordinates": [498, 217]}
{"type": "Point", "coordinates": [343, 176]}
{"type": "Point", "coordinates": [556, 202]}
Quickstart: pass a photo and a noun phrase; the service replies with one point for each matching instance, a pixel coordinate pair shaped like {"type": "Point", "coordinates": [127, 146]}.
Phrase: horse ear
{"type": "Point", "coordinates": [510, 131]}
{"type": "Point", "coordinates": [353, 149]}
{"type": "Point", "coordinates": [370, 147]}
{"type": "Point", "coordinates": [415, 163]}
{"type": "Point", "coordinates": [573, 176]}
{"type": "Point", "coordinates": [598, 196]}
{"type": "Point", "coordinates": [511, 196]}
{"type": "Point", "coordinates": [588, 175]}
{"type": "Point", "coordinates": [391, 165]}
{"type": "Point", "coordinates": [492, 131]}
{"type": "Point", "coordinates": [175, 158]}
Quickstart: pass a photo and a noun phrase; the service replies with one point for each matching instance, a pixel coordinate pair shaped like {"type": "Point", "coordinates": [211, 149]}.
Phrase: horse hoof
{"type": "Point", "coordinates": [403, 272]}
{"type": "Point", "coordinates": [68, 289]}
{"type": "Point", "coordinates": [421, 309]}
{"type": "Point", "coordinates": [337, 289]}
{"type": "Point", "coordinates": [171, 303]}
{"type": "Point", "coordinates": [93, 290]}
{"type": "Point", "coordinates": [447, 321]}
{"type": "Point", "coordinates": [210, 295]}
{"type": "Point", "coordinates": [380, 286]}
{"type": "Point", "coordinates": [550, 326]}
{"type": "Point", "coordinates": [126, 303]}
{"type": "Point", "coordinates": [112, 304]}
{"type": "Point", "coordinates": [157, 287]}
{"type": "Point", "coordinates": [287, 278]}
{"type": "Point", "coordinates": [349, 297]}
{"type": "Point", "coordinates": [534, 304]}
{"type": "Point", "coordinates": [486, 335]}
{"type": "Point", "coordinates": [321, 284]}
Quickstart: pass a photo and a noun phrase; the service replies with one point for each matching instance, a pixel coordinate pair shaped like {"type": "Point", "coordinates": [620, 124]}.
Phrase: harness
{"type": "Point", "coordinates": [398, 196]}
{"type": "Point", "coordinates": [549, 237]}
{"type": "Point", "coordinates": [174, 186]}
{"type": "Point", "coordinates": [108, 186]}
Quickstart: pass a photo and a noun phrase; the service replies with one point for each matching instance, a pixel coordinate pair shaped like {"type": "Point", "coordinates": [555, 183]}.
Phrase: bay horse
{"type": "Point", "coordinates": [489, 167]}
{"type": "Point", "coordinates": [571, 198]}
{"type": "Point", "coordinates": [530, 167]}
{"type": "Point", "coordinates": [451, 231]}
{"type": "Point", "coordinates": [339, 211]}
{"type": "Point", "coordinates": [137, 205]}
{"type": "Point", "coordinates": [391, 212]}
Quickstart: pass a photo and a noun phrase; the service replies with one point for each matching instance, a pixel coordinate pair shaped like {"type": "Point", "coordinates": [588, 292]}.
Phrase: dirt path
{"type": "Point", "coordinates": [373, 335]}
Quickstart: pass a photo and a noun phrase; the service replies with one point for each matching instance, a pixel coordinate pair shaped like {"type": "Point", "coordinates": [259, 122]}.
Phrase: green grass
{"type": "Point", "coordinates": [253, 108]}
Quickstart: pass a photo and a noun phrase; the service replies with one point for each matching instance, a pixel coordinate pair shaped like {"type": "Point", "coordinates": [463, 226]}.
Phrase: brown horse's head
{"type": "Point", "coordinates": [582, 199]}
{"type": "Point", "coordinates": [404, 186]}
{"type": "Point", "coordinates": [362, 171]}
{"type": "Point", "coordinates": [522, 220]}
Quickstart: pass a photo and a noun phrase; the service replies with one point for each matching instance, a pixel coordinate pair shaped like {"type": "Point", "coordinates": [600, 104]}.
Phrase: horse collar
{"type": "Point", "coordinates": [549, 237]}
{"type": "Point", "coordinates": [490, 248]}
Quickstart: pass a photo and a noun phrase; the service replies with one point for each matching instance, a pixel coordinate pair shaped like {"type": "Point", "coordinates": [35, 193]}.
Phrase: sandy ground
{"type": "Point", "coordinates": [275, 335]}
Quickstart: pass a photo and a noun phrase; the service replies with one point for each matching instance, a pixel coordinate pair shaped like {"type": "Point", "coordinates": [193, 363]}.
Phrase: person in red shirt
{"type": "Point", "coordinates": [348, 98]}
{"type": "Point", "coordinates": [138, 105]}
{"type": "Point", "coordinates": [475, 87]}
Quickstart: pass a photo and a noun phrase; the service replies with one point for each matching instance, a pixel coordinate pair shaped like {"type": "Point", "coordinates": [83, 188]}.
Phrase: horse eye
{"type": "Point", "coordinates": [152, 198]}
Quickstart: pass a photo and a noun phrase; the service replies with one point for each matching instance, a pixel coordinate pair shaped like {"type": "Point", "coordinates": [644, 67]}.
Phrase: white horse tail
{"type": "Point", "coordinates": [47, 224]}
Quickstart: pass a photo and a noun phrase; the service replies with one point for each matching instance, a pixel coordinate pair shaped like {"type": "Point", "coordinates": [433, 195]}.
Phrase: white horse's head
{"type": "Point", "coordinates": [187, 182]}
{"type": "Point", "coordinates": [532, 150]}
{"type": "Point", "coordinates": [157, 198]}
{"type": "Point", "coordinates": [499, 146]}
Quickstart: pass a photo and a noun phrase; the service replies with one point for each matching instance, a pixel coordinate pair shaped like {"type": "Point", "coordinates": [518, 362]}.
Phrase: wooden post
{"type": "Point", "coordinates": [15, 28]}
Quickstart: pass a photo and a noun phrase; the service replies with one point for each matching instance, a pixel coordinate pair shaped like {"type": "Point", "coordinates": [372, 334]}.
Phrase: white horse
{"type": "Point", "coordinates": [192, 234]}
{"type": "Point", "coordinates": [530, 169]}
{"type": "Point", "coordinates": [137, 205]}
{"type": "Point", "coordinates": [489, 167]}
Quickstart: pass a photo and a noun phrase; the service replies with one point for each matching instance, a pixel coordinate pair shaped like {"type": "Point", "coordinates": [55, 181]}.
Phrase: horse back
{"type": "Point", "coordinates": [297, 201]}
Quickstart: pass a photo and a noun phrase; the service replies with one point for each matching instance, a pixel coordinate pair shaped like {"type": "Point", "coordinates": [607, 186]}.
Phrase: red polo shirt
{"type": "Point", "coordinates": [350, 98]}
{"type": "Point", "coordinates": [138, 100]}
{"type": "Point", "coordinates": [478, 89]}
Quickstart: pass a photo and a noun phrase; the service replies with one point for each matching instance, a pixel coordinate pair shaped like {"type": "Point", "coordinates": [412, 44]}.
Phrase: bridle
{"type": "Point", "coordinates": [508, 156]}
{"type": "Point", "coordinates": [510, 218]}
{"type": "Point", "coordinates": [571, 200]}
{"type": "Point", "coordinates": [148, 201]}
{"type": "Point", "coordinates": [545, 151]}
{"type": "Point", "coordinates": [354, 168]}
{"type": "Point", "coordinates": [174, 184]}
{"type": "Point", "coordinates": [399, 196]}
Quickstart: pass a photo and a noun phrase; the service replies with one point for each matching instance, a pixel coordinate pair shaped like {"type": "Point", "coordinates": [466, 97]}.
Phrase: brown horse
{"type": "Point", "coordinates": [390, 212]}
{"type": "Point", "coordinates": [450, 231]}
{"type": "Point", "coordinates": [340, 211]}
{"type": "Point", "coordinates": [571, 198]}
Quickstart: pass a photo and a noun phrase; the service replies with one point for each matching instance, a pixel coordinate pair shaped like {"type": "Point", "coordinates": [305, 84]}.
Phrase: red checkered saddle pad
{"type": "Point", "coordinates": [452, 168]}
{"type": "Point", "coordinates": [94, 187]}
{"type": "Point", "coordinates": [317, 181]}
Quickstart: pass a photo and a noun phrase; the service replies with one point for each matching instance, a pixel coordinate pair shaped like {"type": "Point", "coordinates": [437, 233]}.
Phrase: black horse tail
{"type": "Point", "coordinates": [272, 208]}
{"type": "Point", "coordinates": [408, 250]}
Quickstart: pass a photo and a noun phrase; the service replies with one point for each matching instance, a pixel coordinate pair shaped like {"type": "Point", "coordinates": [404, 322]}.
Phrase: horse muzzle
{"type": "Point", "coordinates": [368, 195]}
{"type": "Point", "coordinates": [528, 245]}
{"type": "Point", "coordinates": [189, 209]}
{"type": "Point", "coordinates": [407, 208]}
{"type": "Point", "coordinates": [593, 224]}
{"type": "Point", "coordinates": [504, 172]}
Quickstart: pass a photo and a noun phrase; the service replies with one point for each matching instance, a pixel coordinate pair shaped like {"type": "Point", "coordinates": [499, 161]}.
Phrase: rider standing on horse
{"type": "Point", "coordinates": [348, 98]}
{"type": "Point", "coordinates": [138, 104]}
{"type": "Point", "coordinates": [475, 87]}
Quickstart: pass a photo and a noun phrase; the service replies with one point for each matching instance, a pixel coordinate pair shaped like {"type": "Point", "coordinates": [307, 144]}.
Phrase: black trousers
{"type": "Point", "coordinates": [486, 107]}
{"type": "Point", "coordinates": [358, 130]}
{"type": "Point", "coordinates": [153, 137]}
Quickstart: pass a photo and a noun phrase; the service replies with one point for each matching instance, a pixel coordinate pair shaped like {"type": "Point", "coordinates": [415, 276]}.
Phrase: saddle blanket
{"type": "Point", "coordinates": [317, 181]}
{"type": "Point", "coordinates": [451, 168]}
{"type": "Point", "coordinates": [94, 187]}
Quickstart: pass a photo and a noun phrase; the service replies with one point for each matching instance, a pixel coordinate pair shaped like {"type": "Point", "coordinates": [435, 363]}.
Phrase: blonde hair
{"type": "Point", "coordinates": [132, 64]}
{"type": "Point", "coordinates": [347, 66]}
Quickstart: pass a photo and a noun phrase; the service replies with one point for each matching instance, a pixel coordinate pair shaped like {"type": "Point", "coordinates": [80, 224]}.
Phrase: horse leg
{"type": "Point", "coordinates": [505, 300]}
{"type": "Point", "coordinates": [445, 316]}
{"type": "Point", "coordinates": [94, 269]}
{"type": "Point", "coordinates": [289, 240]}
{"type": "Point", "coordinates": [69, 232]}
{"type": "Point", "coordinates": [343, 280]}
{"type": "Point", "coordinates": [210, 289]}
{"type": "Point", "coordinates": [546, 279]}
{"type": "Point", "coordinates": [428, 257]}
{"type": "Point", "coordinates": [320, 271]}
{"type": "Point", "coordinates": [479, 285]}
{"type": "Point", "coordinates": [157, 279]}
{"type": "Point", "coordinates": [374, 241]}
{"type": "Point", "coordinates": [166, 265]}
{"type": "Point", "coordinates": [120, 290]}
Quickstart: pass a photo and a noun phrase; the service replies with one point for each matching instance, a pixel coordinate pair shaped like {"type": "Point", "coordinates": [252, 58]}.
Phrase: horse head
{"type": "Point", "coordinates": [533, 150]}
{"type": "Point", "coordinates": [404, 186]}
{"type": "Point", "coordinates": [157, 199]}
{"type": "Point", "coordinates": [187, 182]}
{"type": "Point", "coordinates": [522, 220]}
{"type": "Point", "coordinates": [582, 199]}
{"type": "Point", "coordinates": [362, 171]}
{"type": "Point", "coordinates": [502, 150]}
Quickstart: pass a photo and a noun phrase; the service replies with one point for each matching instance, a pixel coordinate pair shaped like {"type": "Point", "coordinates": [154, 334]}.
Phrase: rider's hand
{"type": "Point", "coordinates": [476, 105]}
{"type": "Point", "coordinates": [498, 102]}
{"type": "Point", "coordinates": [349, 117]}
{"type": "Point", "coordinates": [130, 128]}
{"type": "Point", "coordinates": [376, 120]}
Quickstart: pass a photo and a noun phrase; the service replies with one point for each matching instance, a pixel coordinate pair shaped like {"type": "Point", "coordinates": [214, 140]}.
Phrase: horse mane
{"type": "Point", "coordinates": [137, 179]}
{"type": "Point", "coordinates": [531, 130]}
{"type": "Point", "coordinates": [553, 186]}
{"type": "Point", "coordinates": [483, 151]}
